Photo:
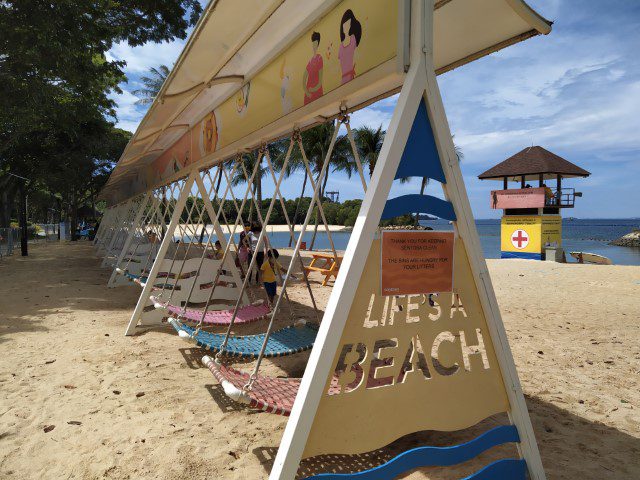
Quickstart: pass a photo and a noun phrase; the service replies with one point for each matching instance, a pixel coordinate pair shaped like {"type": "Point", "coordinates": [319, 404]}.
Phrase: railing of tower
{"type": "Point", "coordinates": [563, 198]}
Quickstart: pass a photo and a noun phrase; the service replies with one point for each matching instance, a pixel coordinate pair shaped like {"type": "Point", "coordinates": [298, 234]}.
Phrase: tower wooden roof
{"type": "Point", "coordinates": [532, 162]}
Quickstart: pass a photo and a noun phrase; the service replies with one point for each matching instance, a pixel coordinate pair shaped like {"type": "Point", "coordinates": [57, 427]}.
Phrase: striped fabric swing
{"type": "Point", "coordinates": [272, 395]}
{"type": "Point", "coordinates": [246, 314]}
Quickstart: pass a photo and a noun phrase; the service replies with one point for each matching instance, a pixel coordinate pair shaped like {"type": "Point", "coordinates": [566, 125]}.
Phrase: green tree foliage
{"type": "Point", "coordinates": [56, 81]}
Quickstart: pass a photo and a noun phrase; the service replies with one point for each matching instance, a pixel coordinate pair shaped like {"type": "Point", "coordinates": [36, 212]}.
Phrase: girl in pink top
{"type": "Point", "coordinates": [312, 78]}
{"type": "Point", "coordinates": [350, 35]}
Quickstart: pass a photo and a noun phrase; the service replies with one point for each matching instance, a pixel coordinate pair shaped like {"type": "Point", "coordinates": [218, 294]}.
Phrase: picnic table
{"type": "Point", "coordinates": [326, 264]}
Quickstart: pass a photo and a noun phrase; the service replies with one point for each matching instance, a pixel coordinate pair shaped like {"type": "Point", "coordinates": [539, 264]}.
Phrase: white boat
{"type": "Point", "coordinates": [591, 258]}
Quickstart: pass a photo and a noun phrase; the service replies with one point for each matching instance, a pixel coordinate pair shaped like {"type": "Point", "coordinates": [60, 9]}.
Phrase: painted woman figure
{"type": "Point", "coordinates": [350, 34]}
{"type": "Point", "coordinates": [312, 79]}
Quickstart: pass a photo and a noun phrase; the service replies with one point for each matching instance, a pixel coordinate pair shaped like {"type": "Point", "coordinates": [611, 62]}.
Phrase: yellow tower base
{"type": "Point", "coordinates": [527, 236]}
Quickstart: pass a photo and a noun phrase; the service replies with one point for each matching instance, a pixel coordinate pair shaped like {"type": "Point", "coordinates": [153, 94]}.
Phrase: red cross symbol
{"type": "Point", "coordinates": [520, 239]}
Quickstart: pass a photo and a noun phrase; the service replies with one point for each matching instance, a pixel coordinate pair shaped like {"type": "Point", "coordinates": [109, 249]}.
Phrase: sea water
{"type": "Point", "coordinates": [582, 235]}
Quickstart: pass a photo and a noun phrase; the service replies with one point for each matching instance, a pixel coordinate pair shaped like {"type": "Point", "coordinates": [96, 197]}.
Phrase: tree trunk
{"type": "Point", "coordinates": [372, 166]}
{"type": "Point", "coordinates": [7, 201]}
{"type": "Point", "coordinates": [425, 182]}
{"type": "Point", "coordinates": [251, 206]}
{"type": "Point", "coordinates": [259, 194]}
{"type": "Point", "coordinates": [74, 215]}
{"type": "Point", "coordinates": [23, 219]}
{"type": "Point", "coordinates": [93, 204]}
{"type": "Point", "coordinates": [295, 213]}
{"type": "Point", "coordinates": [320, 196]}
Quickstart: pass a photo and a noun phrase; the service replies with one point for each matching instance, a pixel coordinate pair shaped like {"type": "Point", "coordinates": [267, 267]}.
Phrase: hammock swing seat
{"type": "Point", "coordinates": [286, 341]}
{"type": "Point", "coordinates": [245, 315]}
{"type": "Point", "coordinates": [269, 394]}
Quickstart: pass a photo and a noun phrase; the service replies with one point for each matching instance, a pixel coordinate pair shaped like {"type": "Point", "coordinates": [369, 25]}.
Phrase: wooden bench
{"type": "Point", "coordinates": [326, 264]}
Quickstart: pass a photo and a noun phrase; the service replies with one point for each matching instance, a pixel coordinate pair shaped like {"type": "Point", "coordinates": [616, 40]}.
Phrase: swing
{"type": "Point", "coordinates": [143, 253]}
{"type": "Point", "coordinates": [272, 395]}
{"type": "Point", "coordinates": [286, 341]}
{"type": "Point", "coordinates": [246, 314]}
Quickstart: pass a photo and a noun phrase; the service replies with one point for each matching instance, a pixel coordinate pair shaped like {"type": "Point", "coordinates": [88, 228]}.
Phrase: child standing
{"type": "Point", "coordinates": [268, 270]}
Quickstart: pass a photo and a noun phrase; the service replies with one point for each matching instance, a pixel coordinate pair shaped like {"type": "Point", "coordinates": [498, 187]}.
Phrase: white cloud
{"type": "Point", "coordinates": [140, 59]}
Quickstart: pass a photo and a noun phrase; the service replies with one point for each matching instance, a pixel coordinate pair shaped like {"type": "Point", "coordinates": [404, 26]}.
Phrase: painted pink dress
{"type": "Point", "coordinates": [345, 55]}
{"type": "Point", "coordinates": [314, 67]}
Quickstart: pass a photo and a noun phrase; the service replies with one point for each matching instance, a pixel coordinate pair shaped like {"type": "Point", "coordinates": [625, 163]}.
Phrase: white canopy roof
{"type": "Point", "coordinates": [235, 39]}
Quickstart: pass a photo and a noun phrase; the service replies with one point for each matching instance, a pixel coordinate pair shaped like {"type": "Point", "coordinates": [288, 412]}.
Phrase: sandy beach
{"type": "Point", "coordinates": [270, 228]}
{"type": "Point", "coordinates": [82, 401]}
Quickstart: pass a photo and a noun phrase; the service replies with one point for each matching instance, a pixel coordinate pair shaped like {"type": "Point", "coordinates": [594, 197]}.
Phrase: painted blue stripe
{"type": "Point", "coordinates": [433, 456]}
{"type": "Point", "coordinates": [507, 469]}
{"type": "Point", "coordinates": [415, 203]}
{"type": "Point", "coordinates": [420, 157]}
{"type": "Point", "coordinates": [525, 255]}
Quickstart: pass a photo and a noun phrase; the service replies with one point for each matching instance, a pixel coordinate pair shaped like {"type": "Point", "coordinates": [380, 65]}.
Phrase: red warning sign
{"type": "Point", "coordinates": [416, 262]}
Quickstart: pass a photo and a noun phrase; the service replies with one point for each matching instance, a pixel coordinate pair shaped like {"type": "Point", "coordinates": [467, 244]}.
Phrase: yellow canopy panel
{"type": "Point", "coordinates": [254, 68]}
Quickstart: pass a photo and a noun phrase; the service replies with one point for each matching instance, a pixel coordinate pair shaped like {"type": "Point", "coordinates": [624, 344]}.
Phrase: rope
{"type": "Point", "coordinates": [356, 155]}
{"type": "Point", "coordinates": [265, 153]}
{"type": "Point", "coordinates": [254, 374]}
{"type": "Point", "coordinates": [209, 238]}
{"type": "Point", "coordinates": [182, 232]}
{"type": "Point", "coordinates": [191, 242]}
{"type": "Point", "coordinates": [313, 185]}
{"type": "Point", "coordinates": [260, 239]}
{"type": "Point", "coordinates": [226, 250]}
{"type": "Point", "coordinates": [295, 137]}
{"type": "Point", "coordinates": [143, 221]}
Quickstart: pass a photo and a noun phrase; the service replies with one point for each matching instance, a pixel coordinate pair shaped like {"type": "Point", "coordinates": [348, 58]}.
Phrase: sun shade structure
{"type": "Point", "coordinates": [236, 42]}
{"type": "Point", "coordinates": [416, 335]}
{"type": "Point", "coordinates": [531, 162]}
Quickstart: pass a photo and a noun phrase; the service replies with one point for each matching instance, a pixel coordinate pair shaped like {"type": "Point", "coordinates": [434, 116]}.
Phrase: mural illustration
{"type": "Point", "coordinates": [285, 86]}
{"type": "Point", "coordinates": [209, 134]}
{"type": "Point", "coordinates": [298, 77]}
{"type": "Point", "coordinates": [350, 35]}
{"type": "Point", "coordinates": [242, 99]}
{"type": "Point", "coordinates": [312, 80]}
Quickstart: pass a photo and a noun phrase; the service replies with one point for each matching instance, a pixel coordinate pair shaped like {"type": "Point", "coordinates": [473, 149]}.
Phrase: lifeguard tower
{"type": "Point", "coordinates": [531, 221]}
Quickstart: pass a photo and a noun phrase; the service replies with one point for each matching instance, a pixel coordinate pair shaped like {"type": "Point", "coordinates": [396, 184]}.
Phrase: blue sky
{"type": "Point", "coordinates": [575, 92]}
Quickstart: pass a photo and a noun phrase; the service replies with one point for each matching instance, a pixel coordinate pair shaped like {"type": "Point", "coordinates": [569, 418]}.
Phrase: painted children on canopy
{"type": "Point", "coordinates": [350, 35]}
{"type": "Point", "coordinates": [312, 79]}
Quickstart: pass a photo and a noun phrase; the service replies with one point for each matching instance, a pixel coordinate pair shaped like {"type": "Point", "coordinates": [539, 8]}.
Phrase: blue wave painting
{"type": "Point", "coordinates": [511, 469]}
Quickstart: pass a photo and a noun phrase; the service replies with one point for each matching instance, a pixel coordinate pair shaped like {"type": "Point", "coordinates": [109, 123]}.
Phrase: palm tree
{"type": "Point", "coordinates": [316, 142]}
{"type": "Point", "coordinates": [249, 160]}
{"type": "Point", "coordinates": [425, 180]}
{"type": "Point", "coordinates": [369, 143]}
{"type": "Point", "coordinates": [152, 85]}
